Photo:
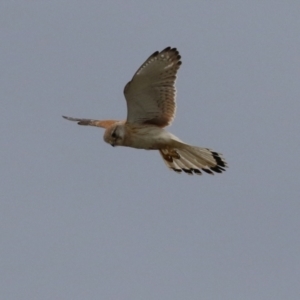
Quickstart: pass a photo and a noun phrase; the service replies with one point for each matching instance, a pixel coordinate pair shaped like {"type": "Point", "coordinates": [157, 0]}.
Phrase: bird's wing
{"type": "Point", "coordinates": [90, 122]}
{"type": "Point", "coordinates": [150, 95]}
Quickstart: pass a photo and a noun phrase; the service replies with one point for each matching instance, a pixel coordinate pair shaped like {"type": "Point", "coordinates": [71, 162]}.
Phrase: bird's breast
{"type": "Point", "coordinates": [146, 137]}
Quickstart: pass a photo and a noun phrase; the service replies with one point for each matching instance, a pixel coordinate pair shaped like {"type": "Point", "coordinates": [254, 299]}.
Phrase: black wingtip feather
{"type": "Point", "coordinates": [188, 171]}
{"type": "Point", "coordinates": [197, 171]}
{"type": "Point", "coordinates": [218, 169]}
{"type": "Point", "coordinates": [220, 162]}
{"type": "Point", "coordinates": [208, 171]}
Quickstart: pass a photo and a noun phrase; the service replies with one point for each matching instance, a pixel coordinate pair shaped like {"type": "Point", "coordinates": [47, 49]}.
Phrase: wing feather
{"type": "Point", "coordinates": [151, 93]}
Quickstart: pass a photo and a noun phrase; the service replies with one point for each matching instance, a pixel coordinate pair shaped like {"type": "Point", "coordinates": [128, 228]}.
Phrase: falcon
{"type": "Point", "coordinates": [151, 106]}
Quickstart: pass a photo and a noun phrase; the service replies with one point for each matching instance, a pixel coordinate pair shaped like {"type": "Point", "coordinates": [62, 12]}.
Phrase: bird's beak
{"type": "Point", "coordinates": [113, 145]}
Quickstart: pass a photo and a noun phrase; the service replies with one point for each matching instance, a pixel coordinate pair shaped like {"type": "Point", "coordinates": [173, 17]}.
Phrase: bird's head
{"type": "Point", "coordinates": [114, 135]}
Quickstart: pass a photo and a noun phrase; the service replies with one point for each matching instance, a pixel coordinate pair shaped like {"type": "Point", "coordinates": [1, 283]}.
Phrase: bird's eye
{"type": "Point", "coordinates": [114, 135]}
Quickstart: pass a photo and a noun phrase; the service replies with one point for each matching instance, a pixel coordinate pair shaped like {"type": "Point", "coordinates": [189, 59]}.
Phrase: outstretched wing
{"type": "Point", "coordinates": [150, 95]}
{"type": "Point", "coordinates": [90, 122]}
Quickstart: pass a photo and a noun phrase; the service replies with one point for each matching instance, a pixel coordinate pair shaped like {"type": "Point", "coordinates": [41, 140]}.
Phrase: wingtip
{"type": "Point", "coordinates": [68, 118]}
{"type": "Point", "coordinates": [72, 119]}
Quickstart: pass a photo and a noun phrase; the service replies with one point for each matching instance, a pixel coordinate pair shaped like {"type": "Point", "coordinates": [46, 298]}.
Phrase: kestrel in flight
{"type": "Point", "coordinates": [150, 97]}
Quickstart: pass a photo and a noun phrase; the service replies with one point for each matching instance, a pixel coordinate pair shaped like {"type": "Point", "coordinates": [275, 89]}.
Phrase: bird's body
{"type": "Point", "coordinates": [148, 137]}
{"type": "Point", "coordinates": [150, 97]}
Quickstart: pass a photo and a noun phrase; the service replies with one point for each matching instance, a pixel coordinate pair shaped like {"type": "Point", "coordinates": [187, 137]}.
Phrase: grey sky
{"type": "Point", "coordinates": [82, 220]}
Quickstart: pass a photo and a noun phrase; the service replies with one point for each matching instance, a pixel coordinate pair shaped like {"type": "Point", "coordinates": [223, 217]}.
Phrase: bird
{"type": "Point", "coordinates": [151, 106]}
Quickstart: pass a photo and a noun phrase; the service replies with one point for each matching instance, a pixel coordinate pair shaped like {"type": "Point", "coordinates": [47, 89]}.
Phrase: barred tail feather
{"type": "Point", "coordinates": [193, 160]}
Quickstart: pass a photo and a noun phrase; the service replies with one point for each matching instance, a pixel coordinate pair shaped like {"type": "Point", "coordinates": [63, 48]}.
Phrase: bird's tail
{"type": "Point", "coordinates": [192, 160]}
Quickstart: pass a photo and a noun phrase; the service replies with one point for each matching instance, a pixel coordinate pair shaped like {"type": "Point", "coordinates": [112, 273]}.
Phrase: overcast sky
{"type": "Point", "coordinates": [82, 220]}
